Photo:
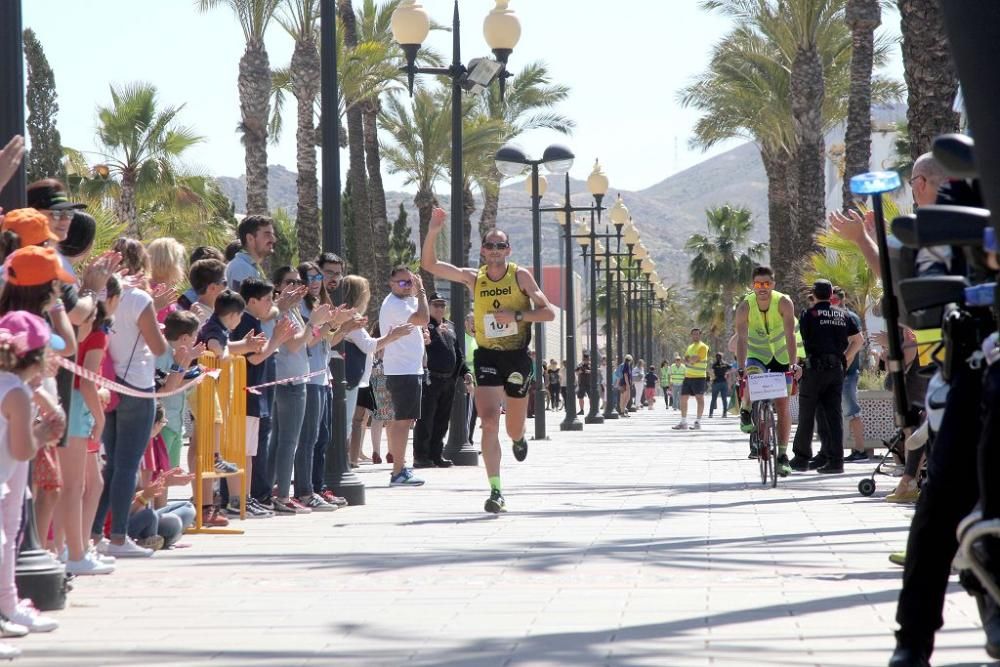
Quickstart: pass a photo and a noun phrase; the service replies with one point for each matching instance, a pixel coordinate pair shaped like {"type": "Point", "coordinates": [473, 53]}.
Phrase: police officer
{"type": "Point", "coordinates": [445, 364]}
{"type": "Point", "coordinates": [830, 337]}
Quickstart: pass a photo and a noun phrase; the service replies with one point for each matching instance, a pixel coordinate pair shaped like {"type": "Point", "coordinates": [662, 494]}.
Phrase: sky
{"type": "Point", "coordinates": [624, 62]}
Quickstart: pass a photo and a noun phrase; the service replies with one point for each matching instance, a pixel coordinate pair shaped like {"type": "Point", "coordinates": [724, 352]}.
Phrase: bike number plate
{"type": "Point", "coordinates": [496, 330]}
{"type": "Point", "coordinates": [767, 386]}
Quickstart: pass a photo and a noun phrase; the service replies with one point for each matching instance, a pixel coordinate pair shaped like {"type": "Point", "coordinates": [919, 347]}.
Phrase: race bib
{"type": "Point", "coordinates": [496, 330]}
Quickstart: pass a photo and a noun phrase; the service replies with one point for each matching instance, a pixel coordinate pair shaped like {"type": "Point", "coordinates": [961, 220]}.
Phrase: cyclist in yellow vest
{"type": "Point", "coordinates": [695, 380]}
{"type": "Point", "coordinates": [765, 338]}
{"type": "Point", "coordinates": [506, 301]}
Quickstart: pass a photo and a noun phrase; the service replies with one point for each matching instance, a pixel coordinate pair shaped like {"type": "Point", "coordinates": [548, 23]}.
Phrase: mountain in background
{"type": "Point", "coordinates": [666, 213]}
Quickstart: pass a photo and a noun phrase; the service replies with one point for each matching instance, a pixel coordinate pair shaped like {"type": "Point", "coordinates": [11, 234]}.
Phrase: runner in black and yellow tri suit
{"type": "Point", "coordinates": [506, 301]}
{"type": "Point", "coordinates": [765, 337]}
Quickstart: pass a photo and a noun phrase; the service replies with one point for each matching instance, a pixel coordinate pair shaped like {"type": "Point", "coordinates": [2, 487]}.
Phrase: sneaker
{"type": "Point", "coordinates": [257, 511]}
{"type": "Point", "coordinates": [784, 467]}
{"type": "Point", "coordinates": [746, 423]}
{"type": "Point", "coordinates": [898, 558]}
{"type": "Point", "coordinates": [211, 516]}
{"type": "Point", "coordinates": [332, 498]}
{"type": "Point", "coordinates": [799, 463]}
{"type": "Point", "coordinates": [98, 556]}
{"type": "Point", "coordinates": [909, 496]}
{"type": "Point", "coordinates": [88, 565]}
{"type": "Point", "coordinates": [285, 507]}
{"type": "Point", "coordinates": [9, 628]}
{"type": "Point", "coordinates": [8, 652]}
{"type": "Point", "coordinates": [495, 504]}
{"type": "Point", "coordinates": [831, 468]}
{"type": "Point", "coordinates": [223, 466]}
{"type": "Point", "coordinates": [696, 426]}
{"type": "Point", "coordinates": [520, 448]}
{"type": "Point", "coordinates": [25, 614]}
{"type": "Point", "coordinates": [316, 503]}
{"type": "Point", "coordinates": [856, 457]}
{"type": "Point", "coordinates": [681, 426]}
{"type": "Point", "coordinates": [405, 478]}
{"type": "Point", "coordinates": [232, 510]}
{"type": "Point", "coordinates": [128, 549]}
{"type": "Point", "coordinates": [267, 503]}
{"type": "Point", "coordinates": [154, 542]}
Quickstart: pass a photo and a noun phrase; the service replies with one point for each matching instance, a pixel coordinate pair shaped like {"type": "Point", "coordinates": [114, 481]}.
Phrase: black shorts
{"type": "Point", "coordinates": [582, 390]}
{"type": "Point", "coordinates": [366, 398]}
{"type": "Point", "coordinates": [773, 366]}
{"type": "Point", "coordinates": [406, 392]}
{"type": "Point", "coordinates": [694, 386]}
{"type": "Point", "coordinates": [510, 369]}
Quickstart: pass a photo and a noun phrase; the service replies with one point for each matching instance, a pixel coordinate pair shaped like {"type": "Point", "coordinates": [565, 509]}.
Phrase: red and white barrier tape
{"type": "Point", "coordinates": [102, 381]}
{"type": "Point", "coordinates": [253, 389]}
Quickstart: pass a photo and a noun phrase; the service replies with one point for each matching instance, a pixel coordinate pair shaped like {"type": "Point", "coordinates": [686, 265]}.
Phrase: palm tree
{"type": "Point", "coordinates": [420, 150]}
{"type": "Point", "coordinates": [840, 262]}
{"type": "Point", "coordinates": [254, 84]}
{"type": "Point", "coordinates": [723, 261]}
{"type": "Point", "coordinates": [931, 81]}
{"type": "Point", "coordinates": [143, 145]}
{"type": "Point", "coordinates": [527, 105]}
{"type": "Point", "coordinates": [300, 20]}
{"type": "Point", "coordinates": [863, 17]}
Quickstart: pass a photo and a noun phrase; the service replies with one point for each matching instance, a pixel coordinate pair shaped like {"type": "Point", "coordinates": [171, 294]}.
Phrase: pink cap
{"type": "Point", "coordinates": [26, 332]}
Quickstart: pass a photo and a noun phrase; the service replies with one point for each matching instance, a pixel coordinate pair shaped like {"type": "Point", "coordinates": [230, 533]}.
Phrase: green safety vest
{"type": "Point", "coordinates": [766, 331]}
{"type": "Point", "coordinates": [699, 369]}
{"type": "Point", "coordinates": [676, 372]}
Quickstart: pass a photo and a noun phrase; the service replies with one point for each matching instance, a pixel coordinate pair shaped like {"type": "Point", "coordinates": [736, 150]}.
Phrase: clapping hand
{"type": "Point", "coordinates": [184, 355]}
{"type": "Point", "coordinates": [284, 331]}
{"type": "Point", "coordinates": [156, 488]}
{"type": "Point", "coordinates": [321, 314]}
{"type": "Point", "coordinates": [163, 295]}
{"type": "Point", "coordinates": [400, 331]}
{"type": "Point", "coordinates": [438, 216]}
{"type": "Point", "coordinates": [289, 297]}
{"type": "Point", "coordinates": [851, 226]}
{"type": "Point", "coordinates": [50, 428]}
{"type": "Point", "coordinates": [95, 276]}
{"type": "Point", "coordinates": [10, 158]}
{"type": "Point", "coordinates": [176, 477]}
{"type": "Point", "coordinates": [342, 315]}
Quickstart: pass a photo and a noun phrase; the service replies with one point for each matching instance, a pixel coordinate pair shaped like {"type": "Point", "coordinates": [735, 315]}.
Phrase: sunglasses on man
{"type": "Point", "coordinates": [499, 245]}
{"type": "Point", "coordinates": [404, 283]}
{"type": "Point", "coordinates": [762, 284]}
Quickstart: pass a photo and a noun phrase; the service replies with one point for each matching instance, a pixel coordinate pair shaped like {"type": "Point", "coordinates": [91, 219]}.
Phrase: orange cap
{"type": "Point", "coordinates": [30, 225]}
{"type": "Point", "coordinates": [35, 265]}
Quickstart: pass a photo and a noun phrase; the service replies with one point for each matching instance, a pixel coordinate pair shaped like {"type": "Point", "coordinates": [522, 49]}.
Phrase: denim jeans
{"type": "Point", "coordinates": [126, 435]}
{"type": "Point", "coordinates": [262, 478]}
{"type": "Point", "coordinates": [174, 518]}
{"type": "Point", "coordinates": [286, 427]}
{"type": "Point", "coordinates": [315, 403]}
{"type": "Point", "coordinates": [719, 389]}
{"type": "Point", "coordinates": [143, 524]}
{"type": "Point", "coordinates": [323, 440]}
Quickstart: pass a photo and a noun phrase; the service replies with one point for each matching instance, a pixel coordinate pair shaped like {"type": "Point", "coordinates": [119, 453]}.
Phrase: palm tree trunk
{"type": "Point", "coordinates": [125, 207]}
{"type": "Point", "coordinates": [254, 85]}
{"type": "Point", "coordinates": [776, 166]}
{"type": "Point", "coordinates": [376, 195]}
{"type": "Point", "coordinates": [808, 183]}
{"type": "Point", "coordinates": [863, 16]}
{"type": "Point", "coordinates": [931, 82]}
{"type": "Point", "coordinates": [491, 203]}
{"type": "Point", "coordinates": [305, 68]}
{"type": "Point", "coordinates": [366, 265]}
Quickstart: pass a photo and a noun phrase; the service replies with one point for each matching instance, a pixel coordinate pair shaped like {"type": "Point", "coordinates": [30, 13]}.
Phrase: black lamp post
{"type": "Point", "coordinates": [512, 161]}
{"type": "Point", "coordinates": [502, 30]}
{"type": "Point", "coordinates": [588, 244]}
{"type": "Point", "coordinates": [612, 284]}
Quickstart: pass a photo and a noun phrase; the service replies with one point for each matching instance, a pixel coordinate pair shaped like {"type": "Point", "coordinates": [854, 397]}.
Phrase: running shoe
{"type": "Point", "coordinates": [784, 467]}
{"type": "Point", "coordinates": [520, 448]}
{"type": "Point", "coordinates": [405, 478]}
{"type": "Point", "coordinates": [290, 506]}
{"type": "Point", "coordinates": [746, 422]}
{"type": "Point", "coordinates": [223, 466]}
{"type": "Point", "coordinates": [681, 426]}
{"type": "Point", "coordinates": [11, 629]}
{"type": "Point", "coordinates": [128, 549]}
{"type": "Point", "coordinates": [696, 426]}
{"type": "Point", "coordinates": [316, 503]}
{"type": "Point", "coordinates": [26, 615]}
{"type": "Point", "coordinates": [495, 504]}
{"type": "Point", "coordinates": [330, 497]}
{"type": "Point", "coordinates": [898, 558]}
{"type": "Point", "coordinates": [856, 457]}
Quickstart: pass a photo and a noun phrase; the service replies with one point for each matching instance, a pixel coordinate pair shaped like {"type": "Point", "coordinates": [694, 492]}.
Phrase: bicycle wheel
{"type": "Point", "coordinates": [763, 445]}
{"type": "Point", "coordinates": [772, 438]}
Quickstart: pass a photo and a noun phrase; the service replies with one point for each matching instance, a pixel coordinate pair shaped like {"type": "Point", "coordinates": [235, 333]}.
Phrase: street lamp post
{"type": "Point", "coordinates": [589, 241]}
{"type": "Point", "coordinates": [502, 30]}
{"type": "Point", "coordinates": [512, 161]}
{"type": "Point", "coordinates": [619, 218]}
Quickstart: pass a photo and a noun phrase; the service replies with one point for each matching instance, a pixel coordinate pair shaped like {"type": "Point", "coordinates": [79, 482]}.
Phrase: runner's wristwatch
{"type": "Point", "coordinates": [518, 316]}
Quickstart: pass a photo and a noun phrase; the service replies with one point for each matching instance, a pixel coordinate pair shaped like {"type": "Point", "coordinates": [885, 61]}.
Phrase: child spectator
{"type": "Point", "coordinates": [189, 296]}
{"type": "Point", "coordinates": [180, 329]}
{"type": "Point", "coordinates": [259, 298]}
{"type": "Point", "coordinates": [207, 278]}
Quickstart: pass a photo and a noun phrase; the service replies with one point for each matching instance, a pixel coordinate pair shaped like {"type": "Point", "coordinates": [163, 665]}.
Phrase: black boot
{"type": "Point", "coordinates": [910, 653]}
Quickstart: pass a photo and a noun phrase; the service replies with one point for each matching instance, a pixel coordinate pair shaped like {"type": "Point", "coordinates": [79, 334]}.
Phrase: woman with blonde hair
{"type": "Point", "coordinates": [359, 353]}
{"type": "Point", "coordinates": [167, 268]}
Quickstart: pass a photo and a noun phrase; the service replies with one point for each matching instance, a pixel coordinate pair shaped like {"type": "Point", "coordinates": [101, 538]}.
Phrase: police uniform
{"type": "Point", "coordinates": [825, 332]}
{"type": "Point", "coordinates": [445, 364]}
{"type": "Point", "coordinates": [502, 359]}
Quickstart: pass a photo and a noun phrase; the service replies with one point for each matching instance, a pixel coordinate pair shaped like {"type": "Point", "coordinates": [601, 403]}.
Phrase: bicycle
{"type": "Point", "coordinates": [764, 438]}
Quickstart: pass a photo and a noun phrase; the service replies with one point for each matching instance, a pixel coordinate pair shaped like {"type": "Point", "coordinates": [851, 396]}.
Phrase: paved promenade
{"type": "Point", "coordinates": [627, 544]}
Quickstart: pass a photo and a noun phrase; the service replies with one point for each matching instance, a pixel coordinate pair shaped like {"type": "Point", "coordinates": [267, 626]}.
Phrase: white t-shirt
{"type": "Point", "coordinates": [364, 342]}
{"type": "Point", "coordinates": [126, 341]}
{"type": "Point", "coordinates": [403, 356]}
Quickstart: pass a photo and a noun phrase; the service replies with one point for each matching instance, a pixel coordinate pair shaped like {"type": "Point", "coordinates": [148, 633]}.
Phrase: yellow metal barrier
{"type": "Point", "coordinates": [225, 397]}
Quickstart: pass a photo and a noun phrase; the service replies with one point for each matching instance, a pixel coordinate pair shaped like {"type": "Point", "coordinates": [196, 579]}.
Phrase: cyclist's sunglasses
{"type": "Point", "coordinates": [762, 284]}
{"type": "Point", "coordinates": [499, 245]}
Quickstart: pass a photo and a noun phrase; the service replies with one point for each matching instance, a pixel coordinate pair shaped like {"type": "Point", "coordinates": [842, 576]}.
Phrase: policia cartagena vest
{"type": "Point", "coordinates": [766, 331]}
{"type": "Point", "coordinates": [490, 296]}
